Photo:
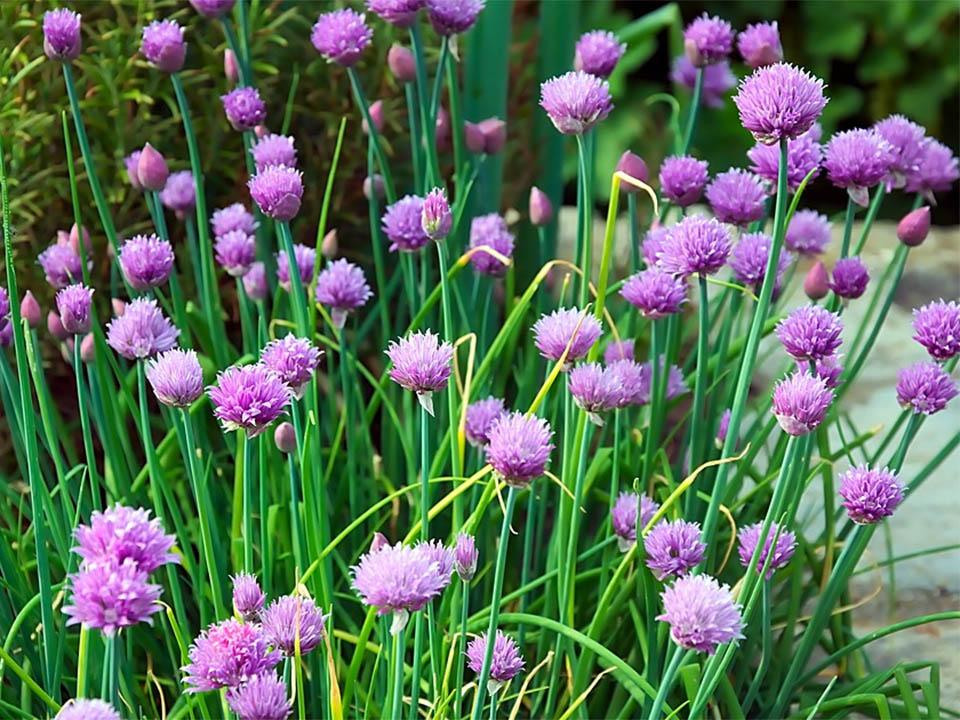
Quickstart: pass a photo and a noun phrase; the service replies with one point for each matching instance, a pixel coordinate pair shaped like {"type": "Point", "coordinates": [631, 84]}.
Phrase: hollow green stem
{"type": "Point", "coordinates": [698, 410]}
{"type": "Point", "coordinates": [396, 702]}
{"type": "Point", "coordinates": [878, 194]}
{"type": "Point", "coordinates": [361, 99]}
{"type": "Point", "coordinates": [462, 646]}
{"type": "Point", "coordinates": [692, 113]}
{"type": "Point", "coordinates": [848, 227]}
{"type": "Point", "coordinates": [428, 123]}
{"type": "Point", "coordinates": [248, 446]}
{"type": "Point", "coordinates": [456, 459]}
{"type": "Point", "coordinates": [95, 481]}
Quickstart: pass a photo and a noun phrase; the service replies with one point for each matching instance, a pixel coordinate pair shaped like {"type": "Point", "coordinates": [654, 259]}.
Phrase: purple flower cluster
{"type": "Point", "coordinates": [702, 613]}
{"type": "Point", "coordinates": [61, 264]}
{"type": "Point", "coordinates": [341, 36]}
{"type": "Point", "coordinates": [248, 598]}
{"type": "Point", "coordinates": [682, 179]}
{"type": "Point", "coordinates": [86, 709]}
{"type": "Point", "coordinates": [778, 102]}
{"type": "Point", "coordinates": [808, 232]}
{"type": "Point", "coordinates": [623, 517]}
{"type": "Point", "coordinates": [857, 160]}
{"type": "Point", "coordinates": [176, 377]}
{"type": "Point", "coordinates": [936, 326]}
{"type": "Point", "coordinates": [695, 246]}
{"type": "Point", "coordinates": [179, 194]}
{"type": "Point", "coordinates": [804, 154]}
{"type": "Point", "coordinates": [235, 252]}
{"type": "Point", "coordinates": [452, 17]}
{"type": "Point", "coordinates": [403, 225]}
{"type": "Point", "coordinates": [421, 364]}
{"type": "Point", "coordinates": [249, 398]}
{"type": "Point", "coordinates": [436, 220]}
{"type": "Point", "coordinates": [292, 624]}
{"type": "Point", "coordinates": [480, 418]}
{"type": "Point", "coordinates": [870, 494]}
{"type": "Point", "coordinates": [737, 197]}
{"type": "Point", "coordinates": [907, 140]}
{"type": "Point", "coordinates": [673, 548]}
{"type": "Point", "coordinates": [749, 539]}
{"type": "Point", "coordinates": [749, 259]}
{"type": "Point", "coordinates": [228, 655]}
{"type": "Point", "coordinates": [759, 44]}
{"type": "Point", "coordinates": [598, 52]}
{"type": "Point", "coordinates": [506, 663]}
{"type": "Point", "coordinates": [293, 359]}
{"type": "Point", "coordinates": [519, 447]}
{"type": "Point", "coordinates": [595, 389]}
{"type": "Point", "coordinates": [810, 333]}
{"type": "Point", "coordinates": [274, 149]}
{"type": "Point", "coordinates": [465, 557]}
{"type": "Point", "coordinates": [262, 697]}
{"type": "Point", "coordinates": [305, 257]}
{"type": "Point", "coordinates": [708, 40]}
{"type": "Point", "coordinates": [925, 387]}
{"type": "Point", "coordinates": [142, 331]}
{"type": "Point", "coordinates": [575, 101]}
{"type": "Point", "coordinates": [655, 293]}
{"type": "Point", "coordinates": [163, 45]}
{"type": "Point", "coordinates": [277, 190]}
{"type": "Point", "coordinates": [61, 35]}
{"type": "Point", "coordinates": [937, 172]}
{"type": "Point", "coordinates": [718, 79]}
{"type": "Point", "coordinates": [75, 305]}
{"type": "Point", "coordinates": [800, 402]}
{"type": "Point", "coordinates": [146, 261]}
{"type": "Point", "coordinates": [849, 278]}
{"type": "Point", "coordinates": [342, 287]}
{"type": "Point", "coordinates": [563, 327]}
{"type": "Point", "coordinates": [490, 230]}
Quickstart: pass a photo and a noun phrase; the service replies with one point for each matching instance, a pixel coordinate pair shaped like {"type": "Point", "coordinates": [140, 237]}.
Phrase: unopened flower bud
{"type": "Point", "coordinates": [87, 346]}
{"type": "Point", "coordinates": [541, 209]}
{"type": "Point", "coordinates": [329, 245]}
{"type": "Point", "coordinates": [285, 437]}
{"type": "Point", "coordinates": [373, 186]}
{"type": "Point", "coordinates": [118, 305]}
{"type": "Point", "coordinates": [402, 64]}
{"type": "Point", "coordinates": [379, 542]}
{"type": "Point", "coordinates": [913, 228]}
{"type": "Point", "coordinates": [817, 282]}
{"type": "Point", "coordinates": [152, 169]}
{"type": "Point", "coordinates": [376, 114]}
{"type": "Point", "coordinates": [30, 310]}
{"type": "Point", "coordinates": [75, 240]}
{"type": "Point", "coordinates": [473, 137]}
{"type": "Point", "coordinates": [56, 327]}
{"type": "Point", "coordinates": [635, 167]}
{"type": "Point", "coordinates": [494, 135]}
{"type": "Point", "coordinates": [261, 131]}
{"type": "Point", "coordinates": [230, 66]}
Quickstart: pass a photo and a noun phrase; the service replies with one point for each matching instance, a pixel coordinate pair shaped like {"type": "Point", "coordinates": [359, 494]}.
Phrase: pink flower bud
{"type": "Point", "coordinates": [473, 137]}
{"type": "Point", "coordinates": [379, 542]}
{"type": "Point", "coordinates": [329, 245]}
{"type": "Point", "coordinates": [230, 66]}
{"type": "Point", "coordinates": [119, 306]}
{"type": "Point", "coordinates": [374, 185]}
{"type": "Point", "coordinates": [376, 114]}
{"type": "Point", "coordinates": [541, 209]}
{"type": "Point", "coordinates": [261, 131]}
{"type": "Point", "coordinates": [635, 167]}
{"type": "Point", "coordinates": [87, 347]}
{"type": "Point", "coordinates": [817, 282]}
{"type": "Point", "coordinates": [285, 437]}
{"type": "Point", "coordinates": [402, 64]}
{"type": "Point", "coordinates": [152, 169]}
{"type": "Point", "coordinates": [56, 327]}
{"type": "Point", "coordinates": [494, 135]}
{"type": "Point", "coordinates": [75, 240]}
{"type": "Point", "coordinates": [30, 309]}
{"type": "Point", "coordinates": [913, 228]}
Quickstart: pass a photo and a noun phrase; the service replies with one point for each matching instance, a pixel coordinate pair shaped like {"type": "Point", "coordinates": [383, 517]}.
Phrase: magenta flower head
{"type": "Point", "coordinates": [749, 259]}
{"type": "Point", "coordinates": [676, 385]}
{"type": "Point", "coordinates": [255, 282]}
{"type": "Point", "coordinates": [247, 596]}
{"type": "Point", "coordinates": [401, 13]}
{"type": "Point", "coordinates": [737, 197]}
{"type": "Point", "coordinates": [562, 327]}
{"type": "Point", "coordinates": [597, 52]}
{"type": "Point", "coordinates": [925, 387]}
{"type": "Point", "coordinates": [436, 219]}
{"type": "Point", "coordinates": [61, 265]}
{"type": "Point", "coordinates": [179, 194]}
{"type": "Point", "coordinates": [233, 217]}
{"type": "Point", "coordinates": [619, 350]}
{"type": "Point", "coordinates": [480, 418]}
{"type": "Point", "coordinates": [421, 364]}
{"type": "Point", "coordinates": [682, 179]}
{"type": "Point", "coordinates": [707, 40]}
{"type": "Point", "coordinates": [341, 36]}
{"type": "Point", "coordinates": [655, 293]}
{"type": "Point", "coordinates": [494, 132]}
{"type": "Point", "coordinates": [541, 209]}
{"type": "Point", "coordinates": [262, 697]}
{"type": "Point", "coordinates": [248, 398]}
{"type": "Point", "coordinates": [519, 448]}
{"type": "Point", "coordinates": [142, 331]}
{"type": "Point", "coordinates": [244, 108]}
{"type": "Point", "coordinates": [465, 557]}
{"type": "Point", "coordinates": [702, 613]}
{"type": "Point", "coordinates": [779, 102]}
{"type": "Point", "coordinates": [850, 277]}
{"type": "Point", "coordinates": [86, 709]}
{"type": "Point", "coordinates": [653, 243]}
{"type": "Point", "coordinates": [870, 494]}
{"type": "Point", "coordinates": [213, 8]}
{"type": "Point", "coordinates": [403, 224]}
{"type": "Point", "coordinates": [227, 655]}
{"type": "Point", "coordinates": [506, 662]}
{"type": "Point", "coordinates": [235, 252]}
{"type": "Point", "coordinates": [575, 101]}
{"type": "Point", "coordinates": [804, 154]}
{"type": "Point", "coordinates": [759, 44]}
{"type": "Point", "coordinates": [913, 227]}
{"type": "Point", "coordinates": [673, 548]}
{"type": "Point", "coordinates": [176, 377]}
{"type": "Point", "coordinates": [342, 287]}
{"type": "Point", "coordinates": [695, 246]}
{"type": "Point", "coordinates": [293, 624]}
{"type": "Point", "coordinates": [146, 261]}
{"type": "Point", "coordinates": [61, 35]}
{"type": "Point", "coordinates": [907, 140]}
{"type": "Point", "coordinates": [623, 517]}
{"type": "Point", "coordinates": [277, 191]}
{"type": "Point", "coordinates": [294, 359]}
{"type": "Point", "coordinates": [305, 257]}
{"type": "Point", "coordinates": [808, 232]}
{"type": "Point", "coordinates": [122, 533]}
{"type": "Point", "coordinates": [594, 390]}
{"type": "Point", "coordinates": [810, 333]}
{"type": "Point", "coordinates": [452, 17]}
{"type": "Point", "coordinates": [163, 45]}
{"type": "Point", "coordinates": [490, 230]}
{"type": "Point", "coordinates": [938, 171]}
{"type": "Point", "coordinates": [936, 326]}
{"type": "Point", "coordinates": [130, 162]}
{"type": "Point", "coordinates": [718, 79]}
{"type": "Point", "coordinates": [109, 595]}
{"type": "Point", "coordinates": [749, 538]}
{"type": "Point", "coordinates": [800, 402]}
{"type": "Point", "coordinates": [74, 303]}
{"type": "Point", "coordinates": [274, 149]}
{"type": "Point", "coordinates": [857, 160]}
{"type": "Point", "coordinates": [632, 381]}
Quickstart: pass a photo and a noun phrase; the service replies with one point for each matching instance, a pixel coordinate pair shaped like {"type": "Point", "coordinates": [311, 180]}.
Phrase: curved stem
{"type": "Point", "coordinates": [666, 682]}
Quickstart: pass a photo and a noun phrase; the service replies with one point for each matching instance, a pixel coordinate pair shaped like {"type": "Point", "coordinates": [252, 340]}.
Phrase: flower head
{"type": "Point", "coordinates": [594, 389]}
{"type": "Point", "coordinates": [293, 358]}
{"type": "Point", "coordinates": [439, 554]}
{"type": "Point", "coordinates": [623, 517]}
{"type": "Point", "coordinates": [465, 557]}
{"type": "Point", "coordinates": [857, 160]}
{"type": "Point", "coordinates": [110, 595]}
{"type": "Point", "coordinates": [800, 402]}
{"type": "Point", "coordinates": [61, 34]}
{"type": "Point", "coordinates": [87, 709]}
{"type": "Point", "coordinates": [597, 52]}
{"type": "Point", "coordinates": [749, 259]}
{"type": "Point", "coordinates": [619, 350]}
{"type": "Point", "coordinates": [490, 230]}
{"type": "Point", "coordinates": [850, 277]}
{"type": "Point", "coordinates": [673, 548]}
{"type": "Point", "coordinates": [61, 265]}
{"type": "Point", "coordinates": [506, 660]}
{"type": "Point", "coordinates": [341, 36]}
{"type": "Point", "coordinates": [277, 191]}
{"type": "Point", "coordinates": [255, 282]}
{"type": "Point", "coordinates": [632, 382]}
{"type": "Point", "coordinates": [695, 246]}
{"type": "Point", "coordinates": [233, 217]}
{"type": "Point", "coordinates": [702, 613]}
{"type": "Point", "coordinates": [262, 697]}
{"type": "Point", "coordinates": [480, 418]}
{"type": "Point", "coordinates": [759, 44]}
{"type": "Point", "coordinates": [808, 232]}
{"type": "Point", "coordinates": [653, 243]}
{"type": "Point", "coordinates": [655, 293]}
{"type": "Point", "coordinates": [122, 533]}
{"type": "Point", "coordinates": [810, 333]}
{"type": "Point", "coordinates": [176, 377]}
{"type": "Point", "coordinates": [342, 287]}
{"type": "Point", "coordinates": [142, 331]}
{"type": "Point", "coordinates": [737, 197]}
{"type": "Point", "coordinates": [305, 257]}
{"type": "Point", "coordinates": [562, 327]}
{"type": "Point", "coordinates": [682, 179]}
{"type": "Point", "coordinates": [519, 447]}
{"type": "Point", "coordinates": [708, 40]}
{"type": "Point", "coordinates": [274, 149]}
{"type": "Point", "coordinates": [575, 101]}
{"type": "Point", "coordinates": [179, 194]}
{"type": "Point", "coordinates": [749, 538]}
{"type": "Point", "coordinates": [870, 494]}
{"type": "Point", "coordinates": [421, 364]}
{"type": "Point", "coordinates": [401, 13]}
{"type": "Point", "coordinates": [804, 154]}
{"type": "Point", "coordinates": [436, 219]}
{"type": "Point", "coordinates": [247, 596]}
{"type": "Point", "coordinates": [236, 252]}
{"type": "Point", "coordinates": [907, 139]}
{"type": "Point", "coordinates": [163, 45]}
{"type": "Point", "coordinates": [829, 369]}
{"type": "Point", "coordinates": [249, 398]}
{"type": "Point", "coordinates": [676, 385]}
{"type": "Point", "coordinates": [244, 108]}
{"type": "Point", "coordinates": [937, 172]}
{"type": "Point", "coordinates": [293, 623]}
{"type": "Point", "coordinates": [936, 326]}
{"type": "Point", "coordinates": [779, 101]}
{"type": "Point", "coordinates": [146, 261]}
{"type": "Point", "coordinates": [718, 79]}
{"type": "Point", "coordinates": [227, 655]}
{"type": "Point", "coordinates": [74, 303]}
{"type": "Point", "coordinates": [403, 225]}
{"type": "Point", "coordinates": [452, 17]}
{"type": "Point", "coordinates": [925, 387]}
{"type": "Point", "coordinates": [213, 8]}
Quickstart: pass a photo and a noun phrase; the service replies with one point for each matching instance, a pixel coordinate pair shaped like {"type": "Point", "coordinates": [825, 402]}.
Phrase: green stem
{"type": "Point", "coordinates": [377, 243]}
{"type": "Point", "coordinates": [361, 99]}
{"type": "Point", "coordinates": [247, 443]}
{"type": "Point", "coordinates": [698, 410]}
{"type": "Point", "coordinates": [462, 646]}
{"type": "Point", "coordinates": [396, 703]}
{"type": "Point", "coordinates": [298, 296]}
{"type": "Point", "coordinates": [95, 481]}
{"type": "Point", "coordinates": [456, 123]}
{"type": "Point", "coordinates": [847, 227]}
{"type": "Point", "coordinates": [456, 459]}
{"type": "Point", "coordinates": [666, 681]}
{"type": "Point", "coordinates": [692, 115]}
{"type": "Point", "coordinates": [417, 666]}
{"type": "Point", "coordinates": [871, 215]}
{"type": "Point", "coordinates": [346, 386]}
{"type": "Point", "coordinates": [416, 138]}
{"type": "Point", "coordinates": [295, 512]}
{"type": "Point", "coordinates": [428, 123]}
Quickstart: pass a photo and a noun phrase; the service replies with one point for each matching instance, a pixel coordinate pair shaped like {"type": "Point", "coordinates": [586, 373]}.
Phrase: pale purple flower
{"type": "Point", "coordinates": [163, 45]}
{"type": "Point", "coordinates": [233, 217]}
{"type": "Point", "coordinates": [176, 377]}
{"type": "Point", "coordinates": [597, 52]}
{"type": "Point", "coordinates": [212, 8]}
{"type": "Point", "coordinates": [235, 251]}
{"type": "Point", "coordinates": [749, 539]}
{"type": "Point", "coordinates": [676, 385]}
{"type": "Point", "coordinates": [262, 697]}
{"type": "Point", "coordinates": [810, 332]}
{"type": "Point", "coordinates": [682, 179]}
{"type": "Point", "coordinates": [925, 387]}
{"type": "Point", "coordinates": [402, 224]}
{"type": "Point", "coordinates": [737, 197]}
{"type": "Point", "coordinates": [342, 287]}
{"type": "Point", "coordinates": [146, 261]}
{"type": "Point", "coordinates": [653, 243]}
{"type": "Point", "coordinates": [808, 232]}
{"type": "Point", "coordinates": [562, 327]}
{"type": "Point", "coordinates": [849, 278]}
{"type": "Point", "coordinates": [109, 595]}
{"type": "Point", "coordinates": [759, 44]}
{"type": "Point", "coordinates": [722, 429]}
{"type": "Point", "coordinates": [74, 303]}
{"type": "Point", "coordinates": [87, 709]}
{"type": "Point", "coordinates": [122, 533]}
{"type": "Point", "coordinates": [632, 380]}
{"type": "Point", "coordinates": [718, 79]}
{"type": "Point", "coordinates": [465, 557]}
{"type": "Point", "coordinates": [274, 149]}
{"type": "Point", "coordinates": [708, 40]}
{"type": "Point", "coordinates": [142, 331]}
{"type": "Point", "coordinates": [618, 350]}
{"type": "Point", "coordinates": [61, 265]}
{"type": "Point", "coordinates": [439, 554]}
{"type": "Point", "coordinates": [804, 155]}
{"type": "Point", "coordinates": [436, 220]}
{"type": "Point", "coordinates": [421, 364]}
{"type": "Point", "coordinates": [305, 256]}
{"type": "Point", "coordinates": [227, 655]}
{"type": "Point", "coordinates": [673, 548]}
{"type": "Point", "coordinates": [401, 13]}
{"type": "Point", "coordinates": [623, 517]}
{"type": "Point", "coordinates": [179, 194]}
{"type": "Point", "coordinates": [248, 598]}
{"type": "Point", "coordinates": [255, 282]}
{"type": "Point", "coordinates": [61, 34]}
{"type": "Point", "coordinates": [244, 108]}
{"type": "Point", "coordinates": [870, 494]}
{"type": "Point", "coordinates": [506, 661]}
{"type": "Point", "coordinates": [938, 171]}
{"type": "Point", "coordinates": [857, 160]}
{"type": "Point", "coordinates": [779, 101]}
{"type": "Point", "coordinates": [130, 163]}
{"type": "Point", "coordinates": [293, 623]}
{"type": "Point", "coordinates": [695, 246]}
{"type": "Point", "coordinates": [294, 359]}
{"type": "Point", "coordinates": [749, 259]}
{"type": "Point", "coordinates": [490, 230]}
{"type": "Point", "coordinates": [480, 418]}
{"type": "Point", "coordinates": [341, 36]}
{"type": "Point", "coordinates": [655, 293]}
{"type": "Point", "coordinates": [800, 402]}
{"type": "Point", "coordinates": [594, 389]}
{"type": "Point", "coordinates": [519, 447]}
{"type": "Point", "coordinates": [907, 140]}
{"type": "Point", "coordinates": [575, 101]}
{"type": "Point", "coordinates": [936, 326]}
{"type": "Point", "coordinates": [248, 398]}
{"type": "Point", "coordinates": [829, 369]}
{"type": "Point", "coordinates": [702, 613]}
{"type": "Point", "coordinates": [452, 17]}
{"type": "Point", "coordinates": [277, 190]}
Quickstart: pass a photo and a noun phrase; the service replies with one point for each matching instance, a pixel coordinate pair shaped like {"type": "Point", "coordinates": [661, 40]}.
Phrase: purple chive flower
{"type": "Point", "coordinates": [262, 697]}
{"type": "Point", "coordinates": [294, 359]}
{"type": "Point", "coordinates": [465, 557]}
{"type": "Point", "coordinates": [870, 494]}
{"type": "Point", "coordinates": [749, 259]}
{"type": "Point", "coordinates": [618, 350]}
{"type": "Point", "coordinates": [439, 554]}
{"type": "Point", "coordinates": [274, 149]}
{"type": "Point", "coordinates": [708, 40]}
{"type": "Point", "coordinates": [122, 533]}
{"type": "Point", "coordinates": [247, 596]}
{"type": "Point", "coordinates": [702, 613]}
{"type": "Point", "coordinates": [575, 101]}
{"type": "Point", "coordinates": [653, 243]}
{"type": "Point", "coordinates": [421, 364]}
{"type": "Point", "coordinates": [631, 380]}
{"type": "Point", "coordinates": [179, 194]}
{"type": "Point", "coordinates": [227, 655]}
{"type": "Point", "coordinates": [597, 52]}
{"type": "Point", "coordinates": [907, 140]}
{"type": "Point", "coordinates": [255, 282]}
{"type": "Point", "coordinates": [480, 418]}
{"type": "Point", "coordinates": [244, 108]}
{"type": "Point", "coordinates": [722, 429]}
{"type": "Point", "coordinates": [850, 277]}
{"type": "Point", "coordinates": [808, 232]}
{"type": "Point", "coordinates": [718, 79]}
{"type": "Point", "coordinates": [233, 217]}
{"type": "Point", "coordinates": [810, 333]}
{"type": "Point", "coordinates": [29, 310]}
{"type": "Point", "coordinates": [176, 377]}
{"type": "Point", "coordinates": [490, 230]}
{"type": "Point", "coordinates": [401, 13]}
{"type": "Point", "coordinates": [553, 332]}
{"type": "Point", "coordinates": [74, 304]}
{"type": "Point", "coordinates": [695, 246]}
{"type": "Point", "coordinates": [403, 225]}
{"type": "Point", "coordinates": [306, 258]}
{"type": "Point", "coordinates": [85, 709]}
{"type": "Point", "coordinates": [737, 197]}
{"type": "Point", "coordinates": [341, 36]}
{"type": "Point", "coordinates": [146, 261]}
{"type": "Point", "coordinates": [655, 293]}
{"type": "Point", "coordinates": [61, 265]}
{"type": "Point", "coordinates": [519, 447]}
{"type": "Point", "coordinates": [342, 287]}
{"type": "Point", "coordinates": [759, 44]}
{"type": "Point", "coordinates": [800, 402]}
{"type": "Point", "coordinates": [142, 331]}
{"type": "Point", "coordinates": [130, 163]}
{"type": "Point", "coordinates": [163, 45]}
{"type": "Point", "coordinates": [623, 517]}
{"type": "Point", "coordinates": [857, 160]}
{"type": "Point", "coordinates": [452, 17]}
{"type": "Point", "coordinates": [594, 390]}
{"type": "Point", "coordinates": [804, 155]}
{"type": "Point", "coordinates": [682, 179]}
{"type": "Point", "coordinates": [913, 227]}
{"type": "Point", "coordinates": [676, 385]}
{"type": "Point", "coordinates": [152, 170]}
{"type": "Point", "coordinates": [633, 165]}
{"type": "Point", "coordinates": [235, 252]}
{"type": "Point", "coordinates": [61, 34]}
{"type": "Point", "coordinates": [506, 660]}
{"type": "Point", "coordinates": [673, 548]}
{"type": "Point", "coordinates": [436, 220]}
{"type": "Point", "coordinates": [828, 369]}
{"type": "Point", "coordinates": [925, 387]}
{"type": "Point", "coordinates": [749, 538]}
{"type": "Point", "coordinates": [249, 398]}
{"type": "Point", "coordinates": [212, 8]}
{"type": "Point", "coordinates": [290, 620]}
{"type": "Point", "coordinates": [277, 191]}
{"type": "Point", "coordinates": [936, 326]}
{"type": "Point", "coordinates": [109, 595]}
{"type": "Point", "coordinates": [938, 171]}
{"type": "Point", "coordinates": [779, 101]}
